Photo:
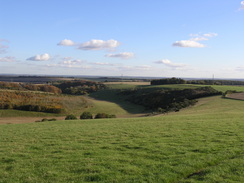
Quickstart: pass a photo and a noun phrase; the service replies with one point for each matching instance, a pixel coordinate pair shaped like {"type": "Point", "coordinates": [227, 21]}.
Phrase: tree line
{"type": "Point", "coordinates": [201, 82]}
{"type": "Point", "coordinates": [30, 87]}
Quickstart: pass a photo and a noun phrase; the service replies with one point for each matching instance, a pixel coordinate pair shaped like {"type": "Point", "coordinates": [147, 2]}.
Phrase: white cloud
{"type": "Point", "coordinates": [188, 43]}
{"type": "Point", "coordinates": [72, 62]}
{"type": "Point", "coordinates": [242, 5]}
{"type": "Point", "coordinates": [66, 42]}
{"type": "Point", "coordinates": [99, 44]}
{"type": "Point", "coordinates": [193, 42]}
{"type": "Point", "coordinates": [170, 64]}
{"type": "Point", "coordinates": [43, 57]}
{"type": "Point", "coordinates": [210, 35]}
{"type": "Point", "coordinates": [7, 59]}
{"type": "Point", "coordinates": [124, 55]}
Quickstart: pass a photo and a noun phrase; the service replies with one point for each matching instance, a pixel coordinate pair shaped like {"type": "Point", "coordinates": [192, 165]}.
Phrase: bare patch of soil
{"type": "Point", "coordinates": [20, 120]}
{"type": "Point", "coordinates": [238, 96]}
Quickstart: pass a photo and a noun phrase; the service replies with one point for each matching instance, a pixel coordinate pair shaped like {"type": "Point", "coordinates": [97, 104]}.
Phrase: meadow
{"type": "Point", "coordinates": [202, 143]}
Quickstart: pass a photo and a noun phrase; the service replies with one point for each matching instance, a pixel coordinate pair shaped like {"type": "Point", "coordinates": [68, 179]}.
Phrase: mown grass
{"type": "Point", "coordinates": [203, 143]}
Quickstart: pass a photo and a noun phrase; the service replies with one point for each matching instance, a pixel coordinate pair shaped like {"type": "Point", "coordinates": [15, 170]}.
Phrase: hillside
{"type": "Point", "coordinates": [203, 143]}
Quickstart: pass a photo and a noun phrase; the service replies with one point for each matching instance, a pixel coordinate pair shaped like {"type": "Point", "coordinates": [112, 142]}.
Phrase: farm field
{"type": "Point", "coordinates": [202, 143]}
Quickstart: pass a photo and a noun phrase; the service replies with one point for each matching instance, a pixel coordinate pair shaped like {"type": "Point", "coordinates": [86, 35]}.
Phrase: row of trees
{"type": "Point", "coordinates": [80, 87]}
{"type": "Point", "coordinates": [202, 82]}
{"type": "Point", "coordinates": [88, 115]}
{"type": "Point", "coordinates": [30, 87]}
{"type": "Point", "coordinates": [168, 81]}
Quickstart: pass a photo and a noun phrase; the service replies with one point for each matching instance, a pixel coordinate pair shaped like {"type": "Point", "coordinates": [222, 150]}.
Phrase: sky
{"type": "Point", "coordinates": [156, 38]}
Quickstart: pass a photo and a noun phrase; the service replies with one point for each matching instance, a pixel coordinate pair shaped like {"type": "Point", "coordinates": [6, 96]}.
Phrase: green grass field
{"type": "Point", "coordinates": [203, 143]}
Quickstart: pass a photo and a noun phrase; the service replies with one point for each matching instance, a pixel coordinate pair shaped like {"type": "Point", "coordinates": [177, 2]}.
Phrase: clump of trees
{"type": "Point", "coordinates": [80, 87]}
{"type": "Point", "coordinates": [86, 115]}
{"type": "Point", "coordinates": [104, 115]}
{"type": "Point", "coordinates": [168, 81]}
{"type": "Point", "coordinates": [70, 117]}
{"type": "Point", "coordinates": [168, 100]}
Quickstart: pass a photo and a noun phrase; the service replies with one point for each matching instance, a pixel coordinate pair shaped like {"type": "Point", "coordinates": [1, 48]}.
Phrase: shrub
{"type": "Point", "coordinates": [104, 115]}
{"type": "Point", "coordinates": [70, 117]}
{"type": "Point", "coordinates": [44, 119]}
{"type": "Point", "coordinates": [86, 115]}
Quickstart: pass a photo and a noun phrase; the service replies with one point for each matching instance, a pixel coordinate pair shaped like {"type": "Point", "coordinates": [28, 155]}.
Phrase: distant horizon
{"type": "Point", "coordinates": [120, 77]}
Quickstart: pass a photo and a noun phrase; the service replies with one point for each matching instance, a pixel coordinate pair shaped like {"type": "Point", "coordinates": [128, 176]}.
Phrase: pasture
{"type": "Point", "coordinates": [202, 143]}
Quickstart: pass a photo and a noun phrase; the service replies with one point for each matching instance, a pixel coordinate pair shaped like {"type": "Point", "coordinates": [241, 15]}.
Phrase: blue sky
{"type": "Point", "coordinates": [131, 37]}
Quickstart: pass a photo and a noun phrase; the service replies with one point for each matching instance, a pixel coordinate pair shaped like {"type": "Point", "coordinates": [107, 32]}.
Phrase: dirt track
{"type": "Point", "coordinates": [19, 120]}
{"type": "Point", "coordinates": [238, 96]}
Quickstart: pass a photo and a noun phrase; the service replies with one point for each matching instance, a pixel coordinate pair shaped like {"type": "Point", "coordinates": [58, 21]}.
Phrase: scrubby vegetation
{"type": "Point", "coordinates": [168, 81]}
{"type": "Point", "coordinates": [30, 101]}
{"type": "Point", "coordinates": [80, 87]}
{"type": "Point", "coordinates": [104, 115]}
{"type": "Point", "coordinates": [29, 87]}
{"type": "Point", "coordinates": [46, 119]}
{"type": "Point", "coordinates": [70, 117]}
{"type": "Point", "coordinates": [168, 100]}
{"type": "Point", "coordinates": [86, 115]}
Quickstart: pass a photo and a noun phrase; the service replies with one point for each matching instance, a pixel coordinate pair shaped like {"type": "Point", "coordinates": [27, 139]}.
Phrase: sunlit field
{"type": "Point", "coordinates": [203, 143]}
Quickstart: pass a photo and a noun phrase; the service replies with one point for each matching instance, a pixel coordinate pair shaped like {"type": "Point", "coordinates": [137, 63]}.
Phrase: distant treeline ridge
{"type": "Point", "coordinates": [201, 82]}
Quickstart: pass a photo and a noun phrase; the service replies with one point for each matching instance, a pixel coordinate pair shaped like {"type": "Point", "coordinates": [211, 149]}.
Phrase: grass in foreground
{"type": "Point", "coordinates": [184, 147]}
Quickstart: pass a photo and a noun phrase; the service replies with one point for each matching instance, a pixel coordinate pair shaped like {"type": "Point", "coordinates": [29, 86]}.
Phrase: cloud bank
{"type": "Point", "coordinates": [124, 55]}
{"type": "Point", "coordinates": [43, 57]}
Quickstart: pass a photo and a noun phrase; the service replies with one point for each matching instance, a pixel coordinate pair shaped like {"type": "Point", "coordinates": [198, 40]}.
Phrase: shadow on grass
{"type": "Point", "coordinates": [111, 95]}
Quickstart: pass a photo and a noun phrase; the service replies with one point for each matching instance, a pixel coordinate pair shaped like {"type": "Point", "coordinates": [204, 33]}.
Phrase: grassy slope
{"type": "Point", "coordinates": [203, 143]}
{"type": "Point", "coordinates": [106, 101]}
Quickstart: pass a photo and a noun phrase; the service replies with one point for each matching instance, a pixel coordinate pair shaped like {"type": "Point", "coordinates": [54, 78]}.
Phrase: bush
{"type": "Point", "coordinates": [104, 115]}
{"type": "Point", "coordinates": [70, 117]}
{"type": "Point", "coordinates": [86, 115]}
{"type": "Point", "coordinates": [45, 119]}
